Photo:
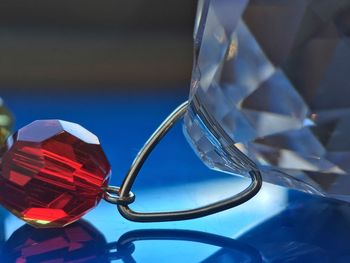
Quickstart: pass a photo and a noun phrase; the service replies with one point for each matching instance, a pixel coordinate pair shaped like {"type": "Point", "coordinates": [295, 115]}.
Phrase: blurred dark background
{"type": "Point", "coordinates": [87, 44]}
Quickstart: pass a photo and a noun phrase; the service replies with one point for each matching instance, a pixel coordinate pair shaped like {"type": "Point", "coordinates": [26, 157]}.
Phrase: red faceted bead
{"type": "Point", "coordinates": [53, 172]}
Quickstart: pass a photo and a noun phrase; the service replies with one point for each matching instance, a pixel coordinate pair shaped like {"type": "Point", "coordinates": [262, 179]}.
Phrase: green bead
{"type": "Point", "coordinates": [6, 122]}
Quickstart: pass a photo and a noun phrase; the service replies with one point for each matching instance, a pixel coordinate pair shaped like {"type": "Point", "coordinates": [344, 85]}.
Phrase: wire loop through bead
{"type": "Point", "coordinates": [112, 195]}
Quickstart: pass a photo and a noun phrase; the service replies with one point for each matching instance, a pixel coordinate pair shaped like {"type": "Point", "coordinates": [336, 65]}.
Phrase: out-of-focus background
{"type": "Point", "coordinates": [87, 44]}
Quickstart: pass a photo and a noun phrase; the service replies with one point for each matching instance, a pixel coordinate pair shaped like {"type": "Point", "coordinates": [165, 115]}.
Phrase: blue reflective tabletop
{"type": "Point", "coordinates": [275, 226]}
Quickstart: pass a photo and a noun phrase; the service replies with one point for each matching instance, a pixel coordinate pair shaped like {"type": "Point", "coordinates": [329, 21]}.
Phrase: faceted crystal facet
{"type": "Point", "coordinates": [271, 79]}
{"type": "Point", "coordinates": [6, 122]}
{"type": "Point", "coordinates": [53, 172]}
{"type": "Point", "coordinates": [79, 242]}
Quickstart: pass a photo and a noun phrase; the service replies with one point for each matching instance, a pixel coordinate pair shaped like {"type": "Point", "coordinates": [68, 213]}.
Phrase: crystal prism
{"type": "Point", "coordinates": [270, 87]}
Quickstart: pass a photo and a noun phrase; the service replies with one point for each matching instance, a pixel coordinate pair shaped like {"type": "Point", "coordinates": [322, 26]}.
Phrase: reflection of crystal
{"type": "Point", "coordinates": [6, 122]}
{"type": "Point", "coordinates": [271, 79]}
{"type": "Point", "coordinates": [290, 237]}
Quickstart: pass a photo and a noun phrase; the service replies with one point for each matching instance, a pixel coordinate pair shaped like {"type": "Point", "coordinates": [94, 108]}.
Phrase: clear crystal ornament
{"type": "Point", "coordinates": [270, 87]}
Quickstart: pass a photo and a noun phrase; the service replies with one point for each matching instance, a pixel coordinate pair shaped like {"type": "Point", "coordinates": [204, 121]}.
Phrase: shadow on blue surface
{"type": "Point", "coordinates": [81, 242]}
{"type": "Point", "coordinates": [309, 230]}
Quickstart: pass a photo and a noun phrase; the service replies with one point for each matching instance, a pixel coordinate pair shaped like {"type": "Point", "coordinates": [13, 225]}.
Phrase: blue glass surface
{"type": "Point", "coordinates": [275, 226]}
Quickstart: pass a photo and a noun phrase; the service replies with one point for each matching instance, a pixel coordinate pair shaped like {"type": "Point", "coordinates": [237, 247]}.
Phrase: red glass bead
{"type": "Point", "coordinates": [53, 172]}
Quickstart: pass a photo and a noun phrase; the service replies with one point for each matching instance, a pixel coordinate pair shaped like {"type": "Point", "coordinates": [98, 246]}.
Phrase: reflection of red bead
{"type": "Point", "coordinates": [52, 173]}
{"type": "Point", "coordinates": [79, 242]}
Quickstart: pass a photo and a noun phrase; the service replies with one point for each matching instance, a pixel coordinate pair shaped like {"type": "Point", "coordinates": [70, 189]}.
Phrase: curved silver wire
{"type": "Point", "coordinates": [112, 195]}
{"type": "Point", "coordinates": [156, 137]}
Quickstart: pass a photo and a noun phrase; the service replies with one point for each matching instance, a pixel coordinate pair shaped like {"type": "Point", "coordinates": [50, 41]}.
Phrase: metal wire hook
{"type": "Point", "coordinates": [112, 195]}
{"type": "Point", "coordinates": [124, 192]}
